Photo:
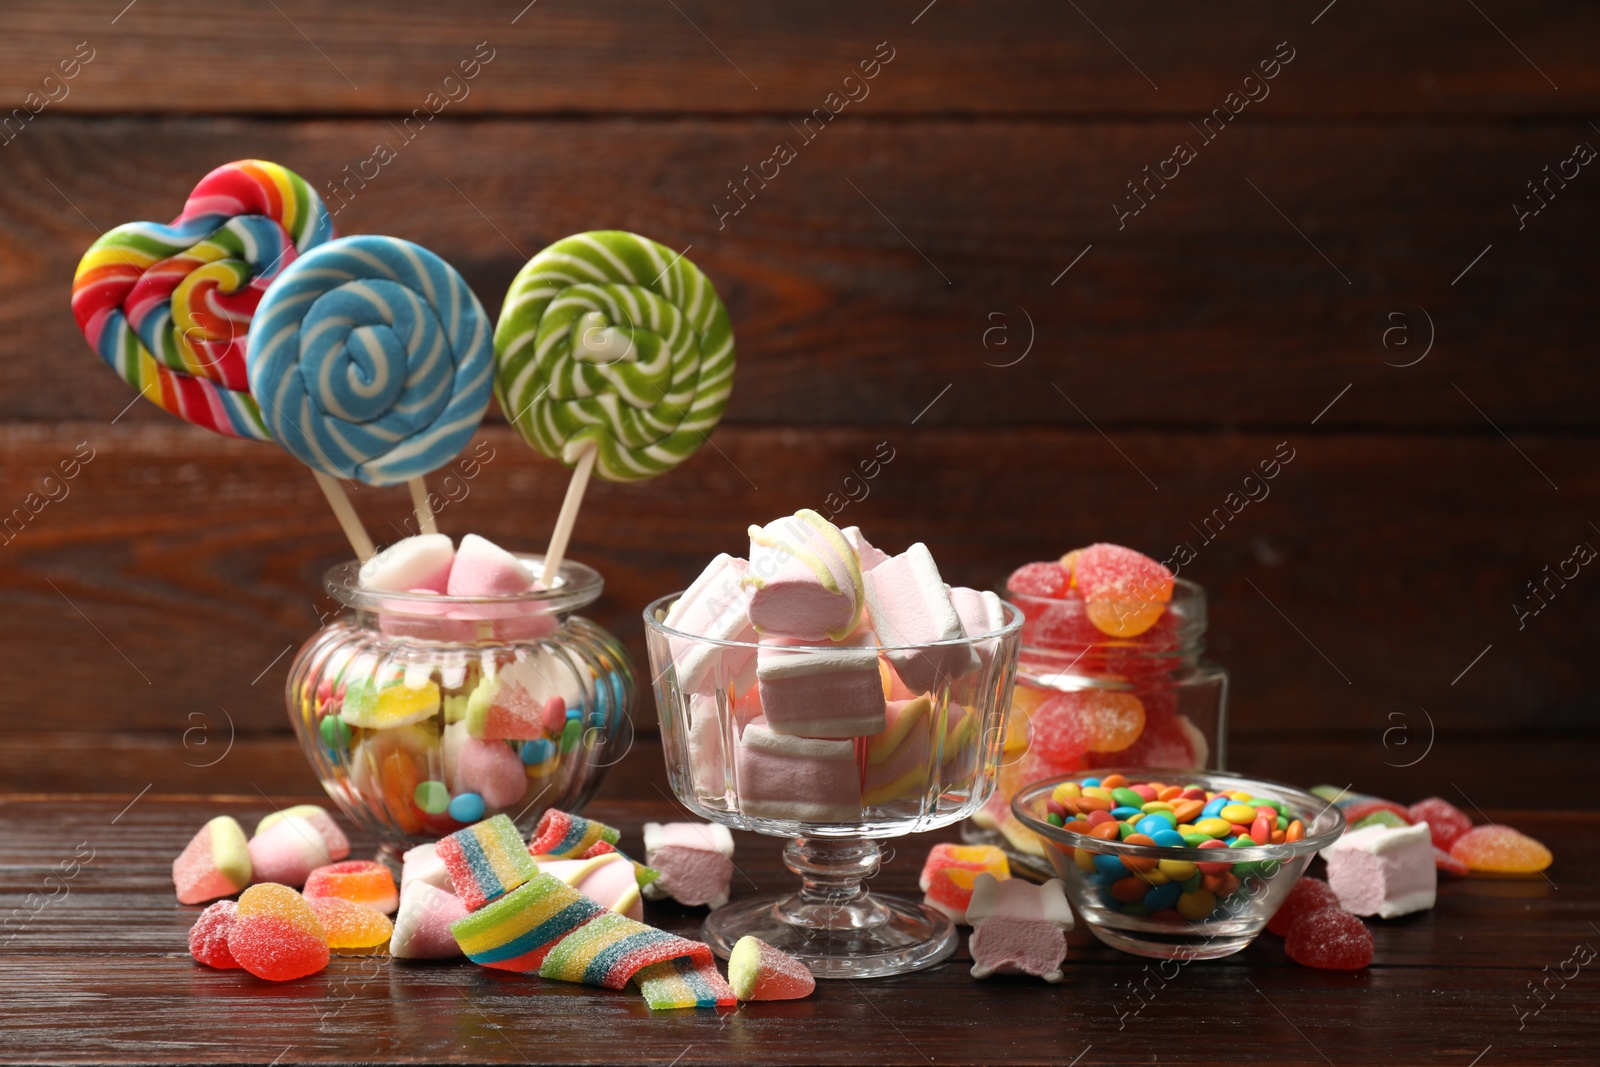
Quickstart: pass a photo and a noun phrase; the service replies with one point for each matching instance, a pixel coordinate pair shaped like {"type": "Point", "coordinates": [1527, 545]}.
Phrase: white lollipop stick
{"type": "Point", "coordinates": [569, 513]}
{"type": "Point", "coordinates": [420, 506]}
{"type": "Point", "coordinates": [346, 514]}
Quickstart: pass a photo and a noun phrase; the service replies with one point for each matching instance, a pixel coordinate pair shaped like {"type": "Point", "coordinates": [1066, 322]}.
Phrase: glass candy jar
{"type": "Point", "coordinates": [1085, 699]}
{"type": "Point", "coordinates": [423, 713]}
{"type": "Point", "coordinates": [875, 743]}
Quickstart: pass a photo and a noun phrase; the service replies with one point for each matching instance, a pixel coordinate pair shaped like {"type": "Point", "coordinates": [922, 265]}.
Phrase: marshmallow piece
{"type": "Point", "coordinates": [695, 860]}
{"type": "Point", "coordinates": [332, 836]}
{"type": "Point", "coordinates": [805, 579]}
{"type": "Point", "coordinates": [490, 769]}
{"type": "Point", "coordinates": [950, 873]}
{"type": "Point", "coordinates": [422, 864]}
{"type": "Point", "coordinates": [215, 863]}
{"type": "Point", "coordinates": [483, 568]}
{"type": "Point", "coordinates": [1018, 927]}
{"type": "Point", "coordinates": [288, 852]}
{"type": "Point", "coordinates": [798, 779]}
{"type": "Point", "coordinates": [910, 605]}
{"type": "Point", "coordinates": [980, 611]}
{"type": "Point", "coordinates": [1383, 870]}
{"type": "Point", "coordinates": [832, 692]}
{"type": "Point", "coordinates": [606, 879]}
{"type": "Point", "coordinates": [897, 758]}
{"type": "Point", "coordinates": [715, 606]}
{"type": "Point", "coordinates": [422, 926]}
{"type": "Point", "coordinates": [870, 557]}
{"type": "Point", "coordinates": [421, 562]}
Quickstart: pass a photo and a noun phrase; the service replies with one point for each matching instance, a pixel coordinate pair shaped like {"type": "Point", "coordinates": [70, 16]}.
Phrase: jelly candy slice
{"type": "Point", "coordinates": [757, 971]}
{"type": "Point", "coordinates": [208, 937]}
{"type": "Point", "coordinates": [1125, 591]}
{"type": "Point", "coordinates": [1039, 579]}
{"type": "Point", "coordinates": [353, 929]}
{"type": "Point", "coordinates": [1446, 822]}
{"type": "Point", "coordinates": [1094, 720]}
{"type": "Point", "coordinates": [1362, 809]}
{"type": "Point", "coordinates": [1443, 861]}
{"type": "Point", "coordinates": [1329, 939]}
{"type": "Point", "coordinates": [1500, 850]}
{"type": "Point", "coordinates": [1305, 896]}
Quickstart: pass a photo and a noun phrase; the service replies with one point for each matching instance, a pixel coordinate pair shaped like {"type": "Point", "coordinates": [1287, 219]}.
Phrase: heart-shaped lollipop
{"type": "Point", "coordinates": [169, 308]}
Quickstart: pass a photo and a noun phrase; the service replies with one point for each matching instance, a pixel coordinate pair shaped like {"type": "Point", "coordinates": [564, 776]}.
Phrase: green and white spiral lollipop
{"type": "Point", "coordinates": [611, 343]}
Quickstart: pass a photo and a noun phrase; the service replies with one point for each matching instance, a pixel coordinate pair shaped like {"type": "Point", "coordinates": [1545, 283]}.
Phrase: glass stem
{"type": "Point", "coordinates": [832, 896]}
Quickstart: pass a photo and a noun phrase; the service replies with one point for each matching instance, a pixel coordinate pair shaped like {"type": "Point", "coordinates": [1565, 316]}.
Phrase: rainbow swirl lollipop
{"type": "Point", "coordinates": [610, 341]}
{"type": "Point", "coordinates": [371, 360]}
{"type": "Point", "coordinates": [169, 308]}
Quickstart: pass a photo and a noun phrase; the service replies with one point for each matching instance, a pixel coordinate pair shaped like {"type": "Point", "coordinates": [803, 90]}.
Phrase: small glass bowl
{"type": "Point", "coordinates": [1255, 885]}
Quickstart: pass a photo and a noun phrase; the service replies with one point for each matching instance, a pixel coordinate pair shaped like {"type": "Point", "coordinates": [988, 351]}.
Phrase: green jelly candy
{"type": "Point", "coordinates": [335, 733]}
{"type": "Point", "coordinates": [432, 797]}
{"type": "Point", "coordinates": [1381, 817]}
{"type": "Point", "coordinates": [1127, 798]}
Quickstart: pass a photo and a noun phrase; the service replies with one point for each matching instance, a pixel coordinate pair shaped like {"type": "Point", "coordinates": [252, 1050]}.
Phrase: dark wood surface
{"type": "Point", "coordinates": [102, 975]}
{"type": "Point", "coordinates": [871, 286]}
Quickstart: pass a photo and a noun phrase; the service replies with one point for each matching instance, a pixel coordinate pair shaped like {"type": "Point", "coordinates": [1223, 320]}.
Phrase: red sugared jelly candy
{"type": "Point", "coordinates": [1329, 939]}
{"type": "Point", "coordinates": [1446, 822]}
{"type": "Point", "coordinates": [1443, 861]}
{"type": "Point", "coordinates": [1306, 895]}
{"type": "Point", "coordinates": [1039, 579]}
{"type": "Point", "coordinates": [208, 937]}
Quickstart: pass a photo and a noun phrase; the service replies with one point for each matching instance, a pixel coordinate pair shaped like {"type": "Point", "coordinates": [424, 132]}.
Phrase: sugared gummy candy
{"type": "Point", "coordinates": [1330, 939]}
{"type": "Point", "coordinates": [215, 863]}
{"type": "Point", "coordinates": [208, 937]}
{"type": "Point", "coordinates": [1124, 591]}
{"type": "Point", "coordinates": [276, 935]}
{"type": "Point", "coordinates": [1039, 579]}
{"type": "Point", "coordinates": [1446, 822]}
{"type": "Point", "coordinates": [1500, 850]}
{"type": "Point", "coordinates": [364, 882]}
{"type": "Point", "coordinates": [1305, 896]}
{"type": "Point", "coordinates": [352, 929]}
{"type": "Point", "coordinates": [757, 971]}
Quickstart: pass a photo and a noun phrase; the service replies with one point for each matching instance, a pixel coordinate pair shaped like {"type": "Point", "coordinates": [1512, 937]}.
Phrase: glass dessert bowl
{"type": "Point", "coordinates": [835, 750]}
{"type": "Point", "coordinates": [1169, 901]}
{"type": "Point", "coordinates": [422, 713]}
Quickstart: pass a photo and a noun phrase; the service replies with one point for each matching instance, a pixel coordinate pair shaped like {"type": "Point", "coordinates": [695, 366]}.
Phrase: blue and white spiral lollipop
{"type": "Point", "coordinates": [371, 359]}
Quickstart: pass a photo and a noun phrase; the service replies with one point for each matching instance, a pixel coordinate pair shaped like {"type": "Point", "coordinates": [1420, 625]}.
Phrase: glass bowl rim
{"type": "Point", "coordinates": [577, 585]}
{"type": "Point", "coordinates": [1013, 625]}
{"type": "Point", "coordinates": [1310, 844]}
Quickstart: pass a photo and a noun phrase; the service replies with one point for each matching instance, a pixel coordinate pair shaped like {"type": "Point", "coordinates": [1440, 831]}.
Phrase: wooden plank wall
{"type": "Point", "coordinates": [1353, 268]}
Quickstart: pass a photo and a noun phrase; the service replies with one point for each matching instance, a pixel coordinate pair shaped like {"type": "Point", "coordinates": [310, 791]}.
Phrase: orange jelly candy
{"type": "Point", "coordinates": [1500, 850]}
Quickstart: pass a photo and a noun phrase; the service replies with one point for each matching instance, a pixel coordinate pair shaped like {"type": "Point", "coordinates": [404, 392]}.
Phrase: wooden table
{"type": "Point", "coordinates": [101, 974]}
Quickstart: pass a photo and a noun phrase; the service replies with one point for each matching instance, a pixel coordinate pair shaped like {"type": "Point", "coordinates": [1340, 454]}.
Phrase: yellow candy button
{"type": "Point", "coordinates": [1214, 827]}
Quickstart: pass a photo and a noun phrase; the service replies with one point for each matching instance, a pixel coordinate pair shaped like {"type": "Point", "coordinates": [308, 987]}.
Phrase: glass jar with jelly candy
{"type": "Point", "coordinates": [422, 713]}
{"type": "Point", "coordinates": [1087, 699]}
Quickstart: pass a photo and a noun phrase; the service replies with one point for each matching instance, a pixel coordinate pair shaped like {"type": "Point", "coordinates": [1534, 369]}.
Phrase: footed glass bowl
{"type": "Point", "coordinates": [1120, 890]}
{"type": "Point", "coordinates": [423, 713]}
{"type": "Point", "coordinates": [806, 752]}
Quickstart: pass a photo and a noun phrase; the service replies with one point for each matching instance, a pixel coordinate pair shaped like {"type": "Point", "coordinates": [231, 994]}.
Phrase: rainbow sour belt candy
{"type": "Point", "coordinates": [486, 861]}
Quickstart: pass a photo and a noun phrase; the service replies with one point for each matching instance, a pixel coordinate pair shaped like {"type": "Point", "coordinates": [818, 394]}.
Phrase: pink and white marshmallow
{"type": "Point", "coordinates": [869, 556]}
{"type": "Point", "coordinates": [812, 692]}
{"type": "Point", "coordinates": [1384, 870]}
{"type": "Point", "coordinates": [1018, 927]}
{"type": "Point", "coordinates": [413, 564]}
{"type": "Point", "coordinates": [715, 606]}
{"type": "Point", "coordinates": [910, 605]}
{"type": "Point", "coordinates": [483, 568]}
{"type": "Point", "coordinates": [608, 880]}
{"type": "Point", "coordinates": [799, 779]}
{"type": "Point", "coordinates": [422, 864]}
{"type": "Point", "coordinates": [695, 860]}
{"type": "Point", "coordinates": [805, 579]}
{"type": "Point", "coordinates": [422, 925]}
{"type": "Point", "coordinates": [287, 851]}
